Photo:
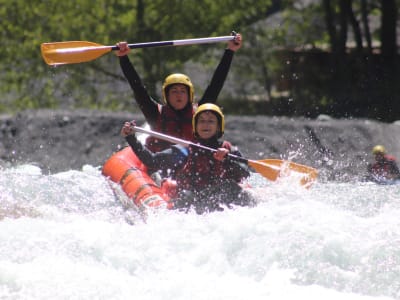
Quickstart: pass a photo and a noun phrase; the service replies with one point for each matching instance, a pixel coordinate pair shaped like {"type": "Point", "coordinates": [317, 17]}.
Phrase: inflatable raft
{"type": "Point", "coordinates": [126, 169]}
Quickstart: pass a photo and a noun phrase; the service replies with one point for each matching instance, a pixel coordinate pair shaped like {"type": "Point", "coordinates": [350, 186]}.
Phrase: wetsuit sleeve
{"type": "Point", "coordinates": [395, 169]}
{"type": "Point", "coordinates": [217, 82]}
{"type": "Point", "coordinates": [147, 105]}
{"type": "Point", "coordinates": [236, 170]}
{"type": "Point", "coordinates": [171, 158]}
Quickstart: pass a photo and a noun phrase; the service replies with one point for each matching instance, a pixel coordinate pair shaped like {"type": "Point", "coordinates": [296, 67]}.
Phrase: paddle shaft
{"type": "Point", "coordinates": [269, 168]}
{"type": "Point", "coordinates": [179, 42]}
{"type": "Point", "coordinates": [187, 143]}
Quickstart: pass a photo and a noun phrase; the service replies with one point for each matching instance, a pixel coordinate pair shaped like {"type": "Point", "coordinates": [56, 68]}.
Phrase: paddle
{"type": "Point", "coordinates": [61, 53]}
{"type": "Point", "coordinates": [271, 169]}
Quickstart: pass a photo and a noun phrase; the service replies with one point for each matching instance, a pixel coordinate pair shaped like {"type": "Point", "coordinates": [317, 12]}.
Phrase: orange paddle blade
{"type": "Point", "coordinates": [73, 52]}
{"type": "Point", "coordinates": [271, 172]}
{"type": "Point", "coordinates": [285, 168]}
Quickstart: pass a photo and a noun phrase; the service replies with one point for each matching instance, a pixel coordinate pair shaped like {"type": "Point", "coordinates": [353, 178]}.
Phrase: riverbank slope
{"type": "Point", "coordinates": [60, 140]}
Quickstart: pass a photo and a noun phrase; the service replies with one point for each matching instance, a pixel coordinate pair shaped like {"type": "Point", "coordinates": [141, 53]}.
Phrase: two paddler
{"type": "Point", "coordinates": [199, 174]}
{"type": "Point", "coordinates": [174, 116]}
{"type": "Point", "coordinates": [205, 180]}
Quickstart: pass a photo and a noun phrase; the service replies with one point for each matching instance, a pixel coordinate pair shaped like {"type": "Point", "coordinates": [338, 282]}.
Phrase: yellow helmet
{"type": "Point", "coordinates": [378, 149]}
{"type": "Point", "coordinates": [175, 79]}
{"type": "Point", "coordinates": [216, 110]}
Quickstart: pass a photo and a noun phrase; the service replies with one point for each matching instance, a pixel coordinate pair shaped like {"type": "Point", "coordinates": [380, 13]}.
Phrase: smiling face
{"type": "Point", "coordinates": [207, 125]}
{"type": "Point", "coordinates": [178, 96]}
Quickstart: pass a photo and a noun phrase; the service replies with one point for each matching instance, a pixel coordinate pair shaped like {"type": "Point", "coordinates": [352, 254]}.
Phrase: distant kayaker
{"type": "Point", "coordinates": [174, 117]}
{"type": "Point", "coordinates": [205, 179]}
{"type": "Point", "coordinates": [385, 166]}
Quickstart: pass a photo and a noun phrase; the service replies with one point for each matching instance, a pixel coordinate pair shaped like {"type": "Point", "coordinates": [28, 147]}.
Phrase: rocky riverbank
{"type": "Point", "coordinates": [59, 140]}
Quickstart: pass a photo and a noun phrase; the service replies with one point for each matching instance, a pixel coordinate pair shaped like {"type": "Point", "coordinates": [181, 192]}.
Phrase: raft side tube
{"type": "Point", "coordinates": [126, 169]}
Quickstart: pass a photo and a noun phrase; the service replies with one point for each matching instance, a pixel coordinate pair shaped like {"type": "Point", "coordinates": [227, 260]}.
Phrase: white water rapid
{"type": "Point", "coordinates": [68, 236]}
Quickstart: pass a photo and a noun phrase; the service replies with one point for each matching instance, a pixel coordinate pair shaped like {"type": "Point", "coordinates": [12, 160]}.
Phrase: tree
{"type": "Point", "coordinates": [388, 29]}
{"type": "Point", "coordinates": [341, 79]}
{"type": "Point", "coordinates": [29, 83]}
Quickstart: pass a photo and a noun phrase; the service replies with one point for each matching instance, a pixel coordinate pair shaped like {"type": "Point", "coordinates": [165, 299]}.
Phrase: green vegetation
{"type": "Point", "coordinates": [283, 68]}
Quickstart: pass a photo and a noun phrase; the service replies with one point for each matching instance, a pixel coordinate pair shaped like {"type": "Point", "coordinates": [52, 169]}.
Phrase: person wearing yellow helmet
{"type": "Point", "coordinates": [173, 80]}
{"type": "Point", "coordinates": [378, 150]}
{"type": "Point", "coordinates": [174, 115]}
{"type": "Point", "coordinates": [208, 108]}
{"type": "Point", "coordinates": [384, 168]}
{"type": "Point", "coordinates": [205, 180]}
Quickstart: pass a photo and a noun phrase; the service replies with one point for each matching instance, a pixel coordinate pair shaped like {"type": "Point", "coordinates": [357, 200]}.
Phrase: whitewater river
{"type": "Point", "coordinates": [68, 236]}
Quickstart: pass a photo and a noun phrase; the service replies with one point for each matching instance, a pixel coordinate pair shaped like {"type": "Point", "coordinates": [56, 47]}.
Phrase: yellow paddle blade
{"type": "Point", "coordinates": [73, 52]}
{"type": "Point", "coordinates": [309, 174]}
{"type": "Point", "coordinates": [289, 164]}
{"type": "Point", "coordinates": [273, 169]}
{"type": "Point", "coordinates": [270, 172]}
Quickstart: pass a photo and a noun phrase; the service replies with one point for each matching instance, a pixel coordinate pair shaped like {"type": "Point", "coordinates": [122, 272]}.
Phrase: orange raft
{"type": "Point", "coordinates": [126, 169]}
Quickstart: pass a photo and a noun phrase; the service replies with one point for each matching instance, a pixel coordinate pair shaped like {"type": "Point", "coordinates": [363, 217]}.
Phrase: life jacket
{"type": "Point", "coordinates": [174, 123]}
{"type": "Point", "coordinates": [201, 170]}
{"type": "Point", "coordinates": [384, 169]}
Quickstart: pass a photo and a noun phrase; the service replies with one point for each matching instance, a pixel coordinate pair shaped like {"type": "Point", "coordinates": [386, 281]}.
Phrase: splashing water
{"type": "Point", "coordinates": [69, 236]}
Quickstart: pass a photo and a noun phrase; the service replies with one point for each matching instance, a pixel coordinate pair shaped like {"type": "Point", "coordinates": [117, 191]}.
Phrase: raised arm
{"type": "Point", "coordinates": [147, 105]}
{"type": "Point", "coordinates": [221, 72]}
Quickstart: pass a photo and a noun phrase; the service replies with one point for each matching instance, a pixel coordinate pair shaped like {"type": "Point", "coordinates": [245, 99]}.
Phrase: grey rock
{"type": "Point", "coordinates": [60, 140]}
